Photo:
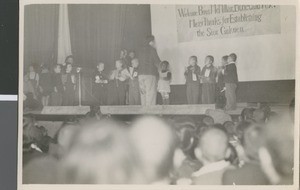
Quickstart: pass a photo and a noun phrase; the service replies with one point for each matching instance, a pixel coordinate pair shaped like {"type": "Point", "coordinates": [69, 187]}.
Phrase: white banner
{"type": "Point", "coordinates": [202, 22]}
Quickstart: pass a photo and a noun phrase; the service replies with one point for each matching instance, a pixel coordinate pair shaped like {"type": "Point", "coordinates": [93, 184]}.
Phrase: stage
{"type": "Point", "coordinates": [58, 113]}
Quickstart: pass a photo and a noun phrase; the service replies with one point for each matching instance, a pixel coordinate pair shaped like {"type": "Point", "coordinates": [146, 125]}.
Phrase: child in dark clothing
{"type": "Point", "coordinates": [192, 75]}
{"type": "Point", "coordinates": [117, 84]}
{"type": "Point", "coordinates": [231, 80]}
{"type": "Point", "coordinates": [220, 92]}
{"type": "Point", "coordinates": [69, 82]}
{"type": "Point", "coordinates": [100, 82]}
{"type": "Point", "coordinates": [45, 85]}
{"type": "Point", "coordinates": [208, 76]}
{"type": "Point", "coordinates": [58, 89]}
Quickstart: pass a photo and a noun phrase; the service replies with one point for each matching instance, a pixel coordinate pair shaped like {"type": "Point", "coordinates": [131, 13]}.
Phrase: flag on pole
{"type": "Point", "coordinates": [64, 42]}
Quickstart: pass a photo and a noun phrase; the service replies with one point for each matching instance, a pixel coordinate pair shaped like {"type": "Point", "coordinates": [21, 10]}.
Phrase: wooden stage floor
{"type": "Point", "coordinates": [155, 110]}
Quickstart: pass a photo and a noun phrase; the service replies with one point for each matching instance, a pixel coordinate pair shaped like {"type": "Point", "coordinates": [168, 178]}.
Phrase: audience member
{"type": "Point", "coordinates": [277, 153]}
{"type": "Point", "coordinates": [218, 114]}
{"type": "Point", "coordinates": [101, 153]}
{"type": "Point", "coordinates": [250, 172]}
{"type": "Point", "coordinates": [211, 151]}
{"type": "Point", "coordinates": [154, 141]}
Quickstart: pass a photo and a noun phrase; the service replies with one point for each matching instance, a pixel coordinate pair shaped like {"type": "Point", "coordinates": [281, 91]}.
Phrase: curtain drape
{"type": "Point", "coordinates": [64, 43]}
{"type": "Point", "coordinates": [40, 34]}
{"type": "Point", "coordinates": [99, 32]}
{"type": "Point", "coordinates": [96, 33]}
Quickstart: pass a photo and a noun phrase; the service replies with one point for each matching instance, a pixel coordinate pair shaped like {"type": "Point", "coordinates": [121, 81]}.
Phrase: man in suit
{"type": "Point", "coordinates": [148, 71]}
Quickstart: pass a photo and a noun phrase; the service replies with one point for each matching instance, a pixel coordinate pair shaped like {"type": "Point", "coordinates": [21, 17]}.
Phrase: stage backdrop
{"type": "Point", "coordinates": [263, 37]}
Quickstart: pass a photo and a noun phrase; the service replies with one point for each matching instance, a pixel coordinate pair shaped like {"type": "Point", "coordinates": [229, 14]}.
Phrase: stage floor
{"type": "Point", "coordinates": [155, 110]}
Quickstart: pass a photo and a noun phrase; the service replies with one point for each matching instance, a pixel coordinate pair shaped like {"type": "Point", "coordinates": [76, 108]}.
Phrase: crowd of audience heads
{"type": "Point", "coordinates": [255, 149]}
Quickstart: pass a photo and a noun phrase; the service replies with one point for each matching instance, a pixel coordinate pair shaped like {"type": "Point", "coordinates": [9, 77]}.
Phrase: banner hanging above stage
{"type": "Point", "coordinates": [203, 22]}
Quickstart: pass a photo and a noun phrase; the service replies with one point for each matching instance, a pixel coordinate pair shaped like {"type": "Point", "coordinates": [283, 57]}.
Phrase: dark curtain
{"type": "Point", "coordinates": [40, 34]}
{"type": "Point", "coordinates": [99, 32]}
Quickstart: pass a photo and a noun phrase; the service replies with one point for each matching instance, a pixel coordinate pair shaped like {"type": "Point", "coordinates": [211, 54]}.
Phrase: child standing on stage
{"type": "Point", "coordinates": [100, 82]}
{"type": "Point", "coordinates": [58, 89]}
{"type": "Point", "coordinates": [45, 85]}
{"type": "Point", "coordinates": [134, 89]}
{"type": "Point", "coordinates": [69, 83]}
{"type": "Point", "coordinates": [220, 92]}
{"type": "Point", "coordinates": [164, 81]}
{"type": "Point", "coordinates": [33, 78]}
{"type": "Point", "coordinates": [208, 76]}
{"type": "Point", "coordinates": [117, 84]}
{"type": "Point", "coordinates": [192, 76]}
{"type": "Point", "coordinates": [231, 80]}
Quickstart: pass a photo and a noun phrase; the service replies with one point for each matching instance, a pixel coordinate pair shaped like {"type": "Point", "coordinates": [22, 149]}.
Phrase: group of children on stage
{"type": "Point", "coordinates": [56, 88]}
{"type": "Point", "coordinates": [213, 81]}
{"type": "Point", "coordinates": [121, 86]}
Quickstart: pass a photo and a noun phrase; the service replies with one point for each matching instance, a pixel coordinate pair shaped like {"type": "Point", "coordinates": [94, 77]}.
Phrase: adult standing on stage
{"type": "Point", "coordinates": [148, 71]}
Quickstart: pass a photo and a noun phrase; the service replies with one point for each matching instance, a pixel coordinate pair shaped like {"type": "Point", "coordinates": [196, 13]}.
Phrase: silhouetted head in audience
{"type": "Point", "coordinates": [208, 120]}
{"type": "Point", "coordinates": [186, 132]}
{"type": "Point", "coordinates": [41, 170]}
{"type": "Point", "coordinates": [247, 114]}
{"type": "Point", "coordinates": [101, 153]}
{"type": "Point", "coordinates": [251, 141]}
{"type": "Point", "coordinates": [212, 146]}
{"type": "Point", "coordinates": [154, 141]}
{"type": "Point", "coordinates": [259, 116]}
{"type": "Point", "coordinates": [241, 128]}
{"type": "Point", "coordinates": [94, 114]}
{"type": "Point", "coordinates": [277, 153]}
{"type": "Point", "coordinates": [265, 108]}
{"type": "Point", "coordinates": [31, 133]}
{"type": "Point", "coordinates": [65, 135]}
{"type": "Point", "coordinates": [272, 115]}
{"type": "Point", "coordinates": [230, 128]}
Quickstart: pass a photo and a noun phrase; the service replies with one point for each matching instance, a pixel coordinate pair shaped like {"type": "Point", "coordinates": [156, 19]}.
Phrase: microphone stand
{"type": "Point", "coordinates": [79, 85]}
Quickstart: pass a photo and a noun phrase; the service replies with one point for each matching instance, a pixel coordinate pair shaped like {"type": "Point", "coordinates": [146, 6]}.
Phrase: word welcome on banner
{"type": "Point", "coordinates": [202, 22]}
